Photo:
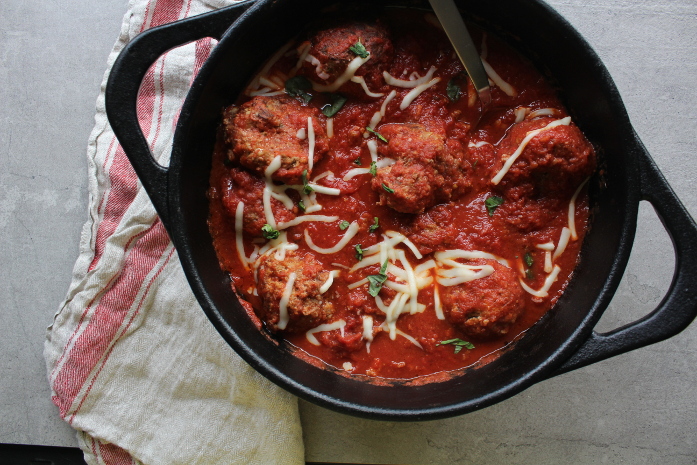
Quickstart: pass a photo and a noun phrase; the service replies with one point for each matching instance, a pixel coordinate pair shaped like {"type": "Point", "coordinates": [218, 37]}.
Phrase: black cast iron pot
{"type": "Point", "coordinates": [563, 340]}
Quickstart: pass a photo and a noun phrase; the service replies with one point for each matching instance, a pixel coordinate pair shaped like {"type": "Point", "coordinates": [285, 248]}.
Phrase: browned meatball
{"type": "Point", "coordinates": [240, 186]}
{"type": "Point", "coordinates": [432, 230]}
{"type": "Point", "coordinates": [266, 127]}
{"type": "Point", "coordinates": [556, 160]}
{"type": "Point", "coordinates": [331, 47]}
{"type": "Point", "coordinates": [306, 306]}
{"type": "Point", "coordinates": [486, 307]}
{"type": "Point", "coordinates": [427, 172]}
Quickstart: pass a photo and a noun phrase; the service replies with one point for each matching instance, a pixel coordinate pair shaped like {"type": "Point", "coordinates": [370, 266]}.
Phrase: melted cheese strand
{"type": "Point", "coordinates": [411, 281]}
{"type": "Point", "coordinates": [437, 304]}
{"type": "Point", "coordinates": [268, 188]}
{"type": "Point", "coordinates": [360, 80]}
{"type": "Point", "coordinates": [572, 210]}
{"type": "Point", "coordinates": [520, 113]}
{"type": "Point", "coordinates": [350, 174]}
{"type": "Point", "coordinates": [271, 84]}
{"type": "Point", "coordinates": [448, 256]}
{"type": "Point", "coordinates": [310, 335]}
{"type": "Point", "coordinates": [523, 144]}
{"type": "Point", "coordinates": [409, 338]}
{"type": "Point", "coordinates": [341, 80]}
{"type": "Point", "coordinates": [546, 246]}
{"type": "Point", "coordinates": [373, 149]}
{"type": "Point", "coordinates": [348, 235]}
{"type": "Point", "coordinates": [358, 283]}
{"type": "Point", "coordinates": [498, 80]}
{"type": "Point", "coordinates": [408, 84]}
{"type": "Point", "coordinates": [311, 143]}
{"type": "Point", "coordinates": [563, 242]}
{"type": "Point", "coordinates": [239, 218]}
{"type": "Point", "coordinates": [425, 266]}
{"type": "Point", "coordinates": [330, 127]}
{"type": "Point", "coordinates": [330, 280]}
{"type": "Point", "coordinates": [301, 219]}
{"type": "Point", "coordinates": [272, 61]}
{"type": "Point", "coordinates": [303, 51]}
{"type": "Point", "coordinates": [548, 261]}
{"type": "Point", "coordinates": [544, 290]}
{"type": "Point", "coordinates": [543, 112]}
{"type": "Point", "coordinates": [301, 134]}
{"type": "Point", "coordinates": [283, 304]}
{"type": "Point", "coordinates": [367, 331]}
{"type": "Point", "coordinates": [402, 238]}
{"type": "Point", "coordinates": [416, 91]}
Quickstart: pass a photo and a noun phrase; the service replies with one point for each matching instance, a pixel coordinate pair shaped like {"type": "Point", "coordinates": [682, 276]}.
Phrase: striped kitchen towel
{"type": "Point", "coordinates": [134, 365]}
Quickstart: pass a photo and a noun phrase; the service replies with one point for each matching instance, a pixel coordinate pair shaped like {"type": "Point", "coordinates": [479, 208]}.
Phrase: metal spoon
{"type": "Point", "coordinates": [451, 20]}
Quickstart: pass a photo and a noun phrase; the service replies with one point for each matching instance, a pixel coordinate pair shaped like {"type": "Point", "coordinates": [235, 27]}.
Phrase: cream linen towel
{"type": "Point", "coordinates": [133, 363]}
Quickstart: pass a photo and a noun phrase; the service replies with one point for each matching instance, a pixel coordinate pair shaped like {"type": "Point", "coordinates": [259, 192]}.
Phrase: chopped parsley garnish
{"type": "Point", "coordinates": [528, 259]}
{"type": "Point", "coordinates": [377, 134]}
{"type": "Point", "coordinates": [387, 188]}
{"type": "Point", "coordinates": [529, 274]}
{"type": "Point", "coordinates": [307, 188]}
{"type": "Point", "coordinates": [344, 224]}
{"type": "Point", "coordinates": [375, 224]}
{"type": "Point", "coordinates": [377, 280]}
{"type": "Point", "coordinates": [301, 205]}
{"type": "Point", "coordinates": [359, 252]}
{"type": "Point", "coordinates": [336, 101]}
{"type": "Point", "coordinates": [359, 49]}
{"type": "Point", "coordinates": [357, 161]}
{"type": "Point", "coordinates": [458, 343]}
{"type": "Point", "coordinates": [373, 168]}
{"type": "Point", "coordinates": [297, 87]}
{"type": "Point", "coordinates": [492, 203]}
{"type": "Point", "coordinates": [453, 91]}
{"type": "Point", "coordinates": [269, 232]}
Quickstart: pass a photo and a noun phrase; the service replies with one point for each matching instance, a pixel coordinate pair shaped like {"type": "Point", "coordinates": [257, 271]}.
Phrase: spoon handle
{"type": "Point", "coordinates": [451, 20]}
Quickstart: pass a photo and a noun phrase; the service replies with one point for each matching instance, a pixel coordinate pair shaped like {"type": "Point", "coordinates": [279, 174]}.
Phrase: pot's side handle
{"type": "Point", "coordinates": [679, 306]}
{"type": "Point", "coordinates": [125, 79]}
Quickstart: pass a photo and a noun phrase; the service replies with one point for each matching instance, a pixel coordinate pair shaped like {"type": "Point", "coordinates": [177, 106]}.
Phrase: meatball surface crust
{"type": "Point", "coordinates": [432, 230]}
{"type": "Point", "coordinates": [331, 47]}
{"type": "Point", "coordinates": [556, 159]}
{"type": "Point", "coordinates": [266, 127]}
{"type": "Point", "coordinates": [240, 186]}
{"type": "Point", "coordinates": [486, 307]}
{"type": "Point", "coordinates": [306, 307]}
{"type": "Point", "coordinates": [427, 171]}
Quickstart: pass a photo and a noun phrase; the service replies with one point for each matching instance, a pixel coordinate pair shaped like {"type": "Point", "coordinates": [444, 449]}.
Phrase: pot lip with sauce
{"type": "Point", "coordinates": [561, 341]}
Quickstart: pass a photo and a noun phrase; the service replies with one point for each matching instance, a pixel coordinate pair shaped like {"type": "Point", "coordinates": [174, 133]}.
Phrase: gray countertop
{"type": "Point", "coordinates": [636, 408]}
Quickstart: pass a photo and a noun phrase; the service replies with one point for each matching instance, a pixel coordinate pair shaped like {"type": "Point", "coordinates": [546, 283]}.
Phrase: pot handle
{"type": "Point", "coordinates": [124, 83]}
{"type": "Point", "coordinates": [679, 306]}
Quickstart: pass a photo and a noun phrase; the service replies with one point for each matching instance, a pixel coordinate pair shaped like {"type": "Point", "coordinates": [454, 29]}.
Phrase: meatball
{"type": "Point", "coordinates": [485, 307]}
{"type": "Point", "coordinates": [555, 160]}
{"type": "Point", "coordinates": [306, 306]}
{"type": "Point", "coordinates": [266, 127]}
{"type": "Point", "coordinates": [331, 48]}
{"type": "Point", "coordinates": [427, 171]}
{"type": "Point", "coordinates": [240, 186]}
{"type": "Point", "coordinates": [432, 230]}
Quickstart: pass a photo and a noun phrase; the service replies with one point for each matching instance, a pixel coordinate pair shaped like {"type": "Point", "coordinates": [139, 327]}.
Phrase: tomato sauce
{"type": "Point", "coordinates": [511, 231]}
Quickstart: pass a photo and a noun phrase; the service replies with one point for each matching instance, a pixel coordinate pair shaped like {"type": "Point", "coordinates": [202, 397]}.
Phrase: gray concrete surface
{"type": "Point", "coordinates": [638, 408]}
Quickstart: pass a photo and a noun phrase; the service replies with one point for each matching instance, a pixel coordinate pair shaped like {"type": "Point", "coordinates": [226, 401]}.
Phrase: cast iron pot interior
{"type": "Point", "coordinates": [561, 341]}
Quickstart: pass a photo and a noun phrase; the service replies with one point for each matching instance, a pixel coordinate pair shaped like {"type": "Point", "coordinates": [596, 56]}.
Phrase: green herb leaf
{"type": "Point", "coordinates": [373, 168]}
{"type": "Point", "coordinates": [387, 189]}
{"type": "Point", "coordinates": [344, 224]}
{"type": "Point", "coordinates": [377, 280]}
{"type": "Point", "coordinates": [529, 274]}
{"type": "Point", "coordinates": [336, 101]}
{"type": "Point", "coordinates": [458, 343]}
{"type": "Point", "coordinates": [377, 134]}
{"type": "Point", "coordinates": [359, 49]}
{"type": "Point", "coordinates": [307, 188]}
{"type": "Point", "coordinates": [528, 259]}
{"type": "Point", "coordinates": [453, 91]}
{"type": "Point", "coordinates": [492, 203]}
{"type": "Point", "coordinates": [359, 252]}
{"type": "Point", "coordinates": [297, 87]}
{"type": "Point", "coordinates": [269, 232]}
{"type": "Point", "coordinates": [375, 224]}
{"type": "Point", "coordinates": [301, 205]}
{"type": "Point", "coordinates": [357, 161]}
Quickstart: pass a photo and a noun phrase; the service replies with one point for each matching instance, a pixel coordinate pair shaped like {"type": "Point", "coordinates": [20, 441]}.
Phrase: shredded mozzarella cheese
{"type": "Point", "coordinates": [411, 83]}
{"type": "Point", "coordinates": [416, 91]}
{"type": "Point", "coordinates": [303, 218]}
{"type": "Point", "coordinates": [330, 280]}
{"type": "Point", "coordinates": [345, 76]}
{"type": "Point", "coordinates": [563, 242]}
{"type": "Point", "coordinates": [360, 80]}
{"type": "Point", "coordinates": [544, 290]}
{"type": "Point", "coordinates": [348, 235]}
{"type": "Point", "coordinates": [310, 335]}
{"type": "Point", "coordinates": [283, 304]}
{"type": "Point", "coordinates": [572, 210]}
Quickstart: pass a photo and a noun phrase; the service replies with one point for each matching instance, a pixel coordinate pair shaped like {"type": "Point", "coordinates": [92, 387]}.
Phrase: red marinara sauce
{"type": "Point", "coordinates": [370, 213]}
